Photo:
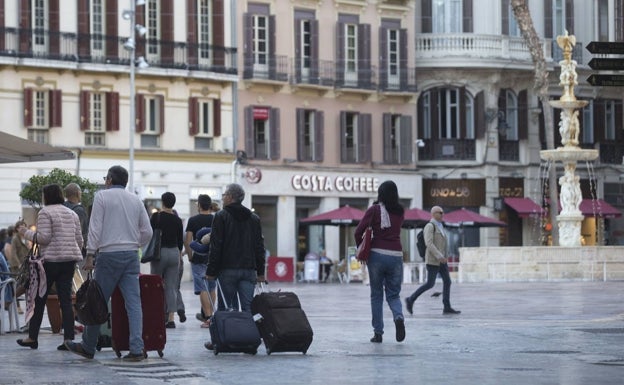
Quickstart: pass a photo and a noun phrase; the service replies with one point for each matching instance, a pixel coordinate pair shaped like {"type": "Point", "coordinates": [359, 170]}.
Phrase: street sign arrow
{"type": "Point", "coordinates": [606, 47]}
{"type": "Point", "coordinates": [606, 80]}
{"type": "Point", "coordinates": [606, 64]}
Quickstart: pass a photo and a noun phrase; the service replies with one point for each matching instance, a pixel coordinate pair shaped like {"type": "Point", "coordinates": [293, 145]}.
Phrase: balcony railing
{"type": "Point", "coordinates": [79, 48]}
{"type": "Point", "coordinates": [448, 149]}
{"type": "Point", "coordinates": [474, 46]}
{"type": "Point", "coordinates": [321, 74]}
{"type": "Point", "coordinates": [509, 150]}
{"type": "Point", "coordinates": [274, 68]}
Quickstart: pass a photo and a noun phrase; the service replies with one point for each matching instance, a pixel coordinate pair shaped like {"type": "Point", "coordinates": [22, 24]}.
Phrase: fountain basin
{"type": "Point", "coordinates": [568, 104]}
{"type": "Point", "coordinates": [569, 154]}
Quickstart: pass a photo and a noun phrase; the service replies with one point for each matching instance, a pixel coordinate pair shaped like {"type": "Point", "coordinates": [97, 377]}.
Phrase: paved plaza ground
{"type": "Point", "coordinates": [508, 333]}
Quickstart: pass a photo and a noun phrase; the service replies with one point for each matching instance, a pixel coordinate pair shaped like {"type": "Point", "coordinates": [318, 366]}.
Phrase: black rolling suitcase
{"type": "Point", "coordinates": [283, 325]}
{"type": "Point", "coordinates": [233, 331]}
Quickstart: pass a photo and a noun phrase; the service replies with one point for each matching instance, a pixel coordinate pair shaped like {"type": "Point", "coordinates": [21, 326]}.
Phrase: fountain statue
{"type": "Point", "coordinates": [570, 217]}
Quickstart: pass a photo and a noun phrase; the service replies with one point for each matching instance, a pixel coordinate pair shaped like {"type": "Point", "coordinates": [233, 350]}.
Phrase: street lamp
{"type": "Point", "coordinates": [130, 45]}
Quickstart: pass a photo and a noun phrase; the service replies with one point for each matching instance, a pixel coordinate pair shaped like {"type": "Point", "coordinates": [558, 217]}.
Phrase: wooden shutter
{"type": "Point", "coordinates": [85, 106]}
{"type": "Point", "coordinates": [193, 116]}
{"type": "Point", "coordinates": [383, 58]}
{"type": "Point", "coordinates": [25, 27]}
{"type": "Point", "coordinates": [314, 54]}
{"type": "Point", "coordinates": [161, 112]}
{"type": "Point", "coordinates": [505, 17]}
{"type": "Point", "coordinates": [191, 31]}
{"type": "Point", "coordinates": [216, 117]}
{"type": "Point", "coordinates": [300, 122]}
{"type": "Point", "coordinates": [56, 108]}
{"type": "Point", "coordinates": [467, 16]}
{"type": "Point", "coordinates": [274, 115]}
{"type": "Point", "coordinates": [406, 140]}
{"type": "Point", "coordinates": [364, 138]}
{"type": "Point", "coordinates": [502, 109]}
{"type": "Point", "coordinates": [340, 53]}
{"type": "Point", "coordinates": [426, 18]}
{"type": "Point", "coordinates": [548, 19]}
{"type": "Point", "coordinates": [343, 138]}
{"type": "Point", "coordinates": [250, 139]}
{"type": "Point", "coordinates": [619, 129]}
{"type": "Point", "coordinates": [140, 43]}
{"type": "Point", "coordinates": [462, 114]}
{"type": "Point", "coordinates": [166, 32]}
{"type": "Point", "coordinates": [83, 30]}
{"type": "Point", "coordinates": [420, 132]}
{"type": "Point", "coordinates": [218, 32]}
{"type": "Point", "coordinates": [434, 104]}
{"type": "Point", "coordinates": [403, 44]}
{"type": "Point", "coordinates": [28, 111]}
{"type": "Point", "coordinates": [479, 115]}
{"type": "Point", "coordinates": [298, 61]}
{"type": "Point", "coordinates": [54, 27]}
{"type": "Point", "coordinates": [319, 136]}
{"type": "Point", "coordinates": [112, 111]}
{"type": "Point", "coordinates": [272, 42]}
{"type": "Point", "coordinates": [364, 49]}
{"type": "Point", "coordinates": [599, 120]}
{"type": "Point", "coordinates": [619, 20]}
{"type": "Point", "coordinates": [248, 47]}
{"type": "Point", "coordinates": [523, 115]}
{"type": "Point", "coordinates": [542, 126]}
{"type": "Point", "coordinates": [569, 15]}
{"type": "Point", "coordinates": [112, 45]}
{"type": "Point", "coordinates": [139, 104]}
{"type": "Point", "coordinates": [386, 126]}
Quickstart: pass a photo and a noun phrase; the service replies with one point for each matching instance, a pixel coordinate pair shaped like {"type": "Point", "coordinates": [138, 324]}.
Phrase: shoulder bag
{"type": "Point", "coordinates": [91, 306]}
{"type": "Point", "coordinates": [152, 250]}
{"type": "Point", "coordinates": [363, 250]}
{"type": "Point", "coordinates": [23, 273]}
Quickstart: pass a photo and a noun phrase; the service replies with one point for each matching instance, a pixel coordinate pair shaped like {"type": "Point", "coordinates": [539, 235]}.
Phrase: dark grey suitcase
{"type": "Point", "coordinates": [282, 323]}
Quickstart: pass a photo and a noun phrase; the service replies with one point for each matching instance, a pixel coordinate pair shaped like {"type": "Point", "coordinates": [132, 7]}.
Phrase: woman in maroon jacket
{"type": "Point", "coordinates": [385, 264]}
{"type": "Point", "coordinates": [59, 236]}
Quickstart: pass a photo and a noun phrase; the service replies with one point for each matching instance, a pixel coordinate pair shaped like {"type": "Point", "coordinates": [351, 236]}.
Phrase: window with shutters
{"type": "Point", "coordinates": [448, 113]}
{"type": "Point", "coordinates": [261, 139]}
{"type": "Point", "coordinates": [262, 132]}
{"type": "Point", "coordinates": [309, 135]}
{"type": "Point", "coordinates": [204, 26]}
{"type": "Point", "coordinates": [355, 130]}
{"type": "Point", "coordinates": [508, 122]}
{"type": "Point", "coordinates": [351, 137]}
{"type": "Point", "coordinates": [306, 47]}
{"type": "Point", "coordinates": [393, 57]}
{"type": "Point", "coordinates": [153, 36]}
{"type": "Point", "coordinates": [95, 134]}
{"type": "Point", "coordinates": [40, 26]}
{"type": "Point", "coordinates": [40, 109]}
{"type": "Point", "coordinates": [98, 27]}
{"type": "Point", "coordinates": [205, 118]}
{"type": "Point", "coordinates": [260, 31]}
{"type": "Point", "coordinates": [150, 117]}
{"type": "Point", "coordinates": [447, 16]}
{"type": "Point", "coordinates": [351, 54]}
{"type": "Point", "coordinates": [397, 139]}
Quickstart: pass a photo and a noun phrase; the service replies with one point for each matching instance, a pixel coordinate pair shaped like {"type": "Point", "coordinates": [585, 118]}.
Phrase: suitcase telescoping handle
{"type": "Point", "coordinates": [214, 306]}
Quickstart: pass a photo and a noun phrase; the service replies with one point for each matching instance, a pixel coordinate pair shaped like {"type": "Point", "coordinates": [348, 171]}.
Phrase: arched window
{"type": "Point", "coordinates": [447, 113]}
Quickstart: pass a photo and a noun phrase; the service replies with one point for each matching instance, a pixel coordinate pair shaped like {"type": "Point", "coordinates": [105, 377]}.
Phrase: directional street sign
{"type": "Point", "coordinates": [606, 47]}
{"type": "Point", "coordinates": [607, 64]}
{"type": "Point", "coordinates": [606, 80]}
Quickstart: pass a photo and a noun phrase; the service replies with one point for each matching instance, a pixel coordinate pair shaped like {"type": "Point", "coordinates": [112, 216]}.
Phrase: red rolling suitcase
{"type": "Point", "coordinates": [282, 323]}
{"type": "Point", "coordinates": [153, 305]}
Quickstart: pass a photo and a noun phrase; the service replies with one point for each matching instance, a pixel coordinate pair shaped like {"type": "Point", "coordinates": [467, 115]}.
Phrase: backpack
{"type": "Point", "coordinates": [420, 242]}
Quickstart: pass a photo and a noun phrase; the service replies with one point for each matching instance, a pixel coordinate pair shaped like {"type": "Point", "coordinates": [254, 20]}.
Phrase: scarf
{"type": "Point", "coordinates": [37, 287]}
{"type": "Point", "coordinates": [385, 217]}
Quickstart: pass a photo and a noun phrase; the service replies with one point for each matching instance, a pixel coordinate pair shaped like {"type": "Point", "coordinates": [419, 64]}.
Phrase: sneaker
{"type": "Point", "coordinates": [134, 357]}
{"type": "Point", "coordinates": [399, 323]}
{"type": "Point", "coordinates": [62, 346]}
{"type": "Point", "coordinates": [170, 325]}
{"type": "Point", "coordinates": [77, 348]}
{"type": "Point", "coordinates": [209, 346]}
{"type": "Point", "coordinates": [409, 305]}
{"type": "Point", "coordinates": [450, 310]}
{"type": "Point", "coordinates": [182, 316]}
{"type": "Point", "coordinates": [377, 338]}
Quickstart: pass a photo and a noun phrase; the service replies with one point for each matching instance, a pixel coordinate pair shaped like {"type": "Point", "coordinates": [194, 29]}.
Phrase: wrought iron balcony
{"type": "Point", "coordinates": [508, 150]}
{"type": "Point", "coordinates": [397, 80]}
{"type": "Point", "coordinates": [311, 73]}
{"type": "Point", "coordinates": [448, 149]}
{"type": "Point", "coordinates": [273, 68]}
{"type": "Point", "coordinates": [98, 49]}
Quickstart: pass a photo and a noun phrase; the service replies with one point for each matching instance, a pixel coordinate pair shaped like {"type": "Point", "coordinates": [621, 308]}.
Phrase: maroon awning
{"type": "Point", "coordinates": [598, 207]}
{"type": "Point", "coordinates": [524, 207]}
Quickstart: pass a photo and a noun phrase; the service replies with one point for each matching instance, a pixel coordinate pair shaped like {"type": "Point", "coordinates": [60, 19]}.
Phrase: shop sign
{"type": "Point", "coordinates": [454, 192]}
{"type": "Point", "coordinates": [322, 183]}
{"type": "Point", "coordinates": [260, 113]}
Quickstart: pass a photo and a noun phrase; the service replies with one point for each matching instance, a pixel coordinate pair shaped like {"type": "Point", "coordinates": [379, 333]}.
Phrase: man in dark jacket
{"type": "Point", "coordinates": [237, 255]}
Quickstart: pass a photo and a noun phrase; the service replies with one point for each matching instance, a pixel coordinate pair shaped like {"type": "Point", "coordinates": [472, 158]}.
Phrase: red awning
{"type": "Point", "coordinates": [598, 207]}
{"type": "Point", "coordinates": [524, 206]}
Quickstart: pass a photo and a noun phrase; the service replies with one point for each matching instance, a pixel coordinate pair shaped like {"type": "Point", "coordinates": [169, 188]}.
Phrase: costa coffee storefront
{"type": "Point", "coordinates": [283, 197]}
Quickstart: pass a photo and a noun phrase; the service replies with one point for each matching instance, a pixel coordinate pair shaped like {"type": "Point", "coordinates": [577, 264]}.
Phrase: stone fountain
{"type": "Point", "coordinates": [570, 218]}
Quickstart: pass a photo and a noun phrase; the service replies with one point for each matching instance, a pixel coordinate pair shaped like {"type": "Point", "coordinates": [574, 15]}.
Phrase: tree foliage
{"type": "Point", "coordinates": [32, 191]}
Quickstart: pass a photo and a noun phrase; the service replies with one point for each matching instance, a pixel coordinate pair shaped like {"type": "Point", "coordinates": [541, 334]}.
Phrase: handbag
{"type": "Point", "coordinates": [363, 250]}
{"type": "Point", "coordinates": [91, 307]}
{"type": "Point", "coordinates": [152, 250]}
{"type": "Point", "coordinates": [23, 273]}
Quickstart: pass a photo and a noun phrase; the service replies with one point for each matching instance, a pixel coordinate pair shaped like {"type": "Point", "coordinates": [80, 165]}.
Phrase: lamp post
{"type": "Point", "coordinates": [130, 45]}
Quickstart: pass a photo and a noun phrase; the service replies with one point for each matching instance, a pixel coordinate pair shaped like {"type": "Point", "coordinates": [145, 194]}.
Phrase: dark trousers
{"type": "Point", "coordinates": [432, 274]}
{"type": "Point", "coordinates": [62, 274]}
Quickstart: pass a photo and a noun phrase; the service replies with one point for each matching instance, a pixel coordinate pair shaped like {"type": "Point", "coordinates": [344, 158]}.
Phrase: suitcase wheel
{"type": "Point", "coordinates": [215, 351]}
{"type": "Point", "coordinates": [118, 353]}
{"type": "Point", "coordinates": [160, 353]}
{"type": "Point", "coordinates": [268, 351]}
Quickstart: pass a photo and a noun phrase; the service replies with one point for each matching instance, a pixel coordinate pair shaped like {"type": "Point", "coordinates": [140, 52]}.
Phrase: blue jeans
{"type": "Point", "coordinates": [432, 274]}
{"type": "Point", "coordinates": [237, 281]}
{"type": "Point", "coordinates": [119, 268]}
{"type": "Point", "coordinates": [385, 272]}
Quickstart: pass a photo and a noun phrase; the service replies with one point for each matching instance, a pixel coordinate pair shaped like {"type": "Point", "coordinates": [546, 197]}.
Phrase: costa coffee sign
{"type": "Point", "coordinates": [322, 183]}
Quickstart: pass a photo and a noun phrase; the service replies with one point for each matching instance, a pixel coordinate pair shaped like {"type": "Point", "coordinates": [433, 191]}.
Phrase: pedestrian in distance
{"type": "Point", "coordinates": [171, 245]}
{"type": "Point", "coordinates": [60, 240]}
{"type": "Point", "coordinates": [385, 263]}
{"type": "Point", "coordinates": [437, 262]}
{"type": "Point", "coordinates": [237, 253]}
{"type": "Point", "coordinates": [199, 261]}
{"type": "Point", "coordinates": [119, 226]}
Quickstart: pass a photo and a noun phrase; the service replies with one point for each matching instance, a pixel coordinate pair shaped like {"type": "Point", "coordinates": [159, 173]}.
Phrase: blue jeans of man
{"type": "Point", "coordinates": [237, 281]}
{"type": "Point", "coordinates": [432, 274]}
{"type": "Point", "coordinates": [119, 268]}
{"type": "Point", "coordinates": [385, 272]}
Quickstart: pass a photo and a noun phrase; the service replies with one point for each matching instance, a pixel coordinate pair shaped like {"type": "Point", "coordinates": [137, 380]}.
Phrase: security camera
{"type": "Point", "coordinates": [420, 143]}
